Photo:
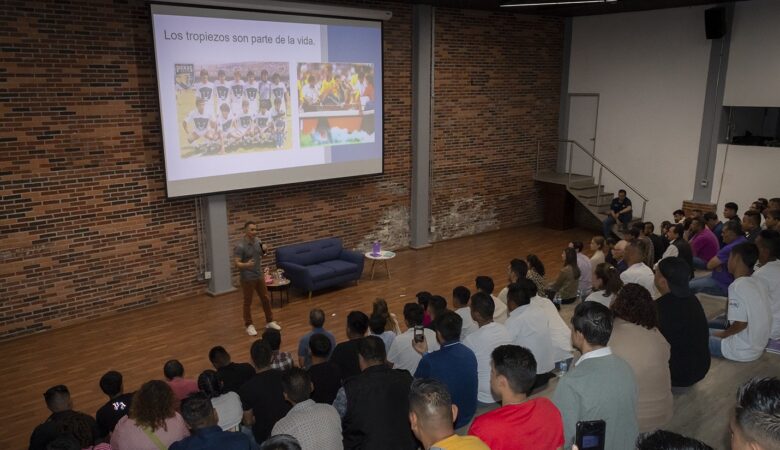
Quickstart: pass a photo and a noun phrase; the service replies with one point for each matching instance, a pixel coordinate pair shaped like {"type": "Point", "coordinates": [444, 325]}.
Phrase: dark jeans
{"type": "Point", "coordinates": [609, 221]}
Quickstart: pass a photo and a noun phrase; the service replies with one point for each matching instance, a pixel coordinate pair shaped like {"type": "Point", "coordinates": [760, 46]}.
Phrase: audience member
{"type": "Point", "coordinates": [560, 333]}
{"type": "Point", "coordinates": [658, 243]}
{"type": "Point", "coordinates": [635, 338]}
{"type": "Point", "coordinates": [152, 422]}
{"type": "Point", "coordinates": [453, 364]}
{"type": "Point", "coordinates": [431, 413]}
{"type": "Point", "coordinates": [485, 285]}
{"type": "Point", "coordinates": [606, 283]}
{"type": "Point", "coordinates": [325, 375]}
{"type": "Point", "coordinates": [436, 306]}
{"type": "Point", "coordinates": [679, 216]}
{"type": "Point", "coordinates": [619, 212]}
{"type": "Point", "coordinates": [717, 283]}
{"type": "Point", "coordinates": [649, 249]}
{"type": "Point", "coordinates": [59, 403]}
{"type": "Point", "coordinates": [751, 225]}
{"type": "Point", "coordinates": [182, 387]}
{"type": "Point", "coordinates": [233, 375]}
{"type": "Point", "coordinates": [423, 299]}
{"type": "Point", "coordinates": [715, 225]}
{"type": "Point", "coordinates": [519, 423]}
{"type": "Point", "coordinates": [637, 271]}
{"type": "Point", "coordinates": [281, 442]}
{"type": "Point", "coordinates": [317, 323]}
{"type": "Point", "coordinates": [80, 429]}
{"type": "Point", "coordinates": [202, 419]}
{"type": "Point", "coordinates": [730, 211]}
{"type": "Point", "coordinates": [460, 301]}
{"type": "Point", "coordinates": [586, 270]}
{"type": "Point", "coordinates": [516, 270]}
{"type": "Point", "coordinates": [666, 440]}
{"type": "Point", "coordinates": [745, 335]}
{"type": "Point", "coordinates": [598, 245]}
{"type": "Point", "coordinates": [704, 243]}
{"type": "Point", "coordinates": [227, 404]}
{"type": "Point", "coordinates": [261, 396]}
{"type": "Point", "coordinates": [773, 220]}
{"type": "Point", "coordinates": [619, 253]}
{"type": "Point", "coordinates": [345, 355]}
{"type": "Point", "coordinates": [401, 353]}
{"type": "Point", "coordinates": [768, 274]}
{"type": "Point", "coordinates": [755, 424]}
{"type": "Point", "coordinates": [377, 325]}
{"type": "Point", "coordinates": [118, 403]}
{"type": "Point", "coordinates": [529, 328]}
{"type": "Point", "coordinates": [567, 283]}
{"type": "Point", "coordinates": [678, 246]}
{"type": "Point", "coordinates": [377, 415]}
{"type": "Point", "coordinates": [316, 426]}
{"type": "Point", "coordinates": [682, 321]}
{"type": "Point", "coordinates": [483, 341]}
{"type": "Point", "coordinates": [380, 307]}
{"type": "Point", "coordinates": [601, 385]}
{"type": "Point", "coordinates": [774, 204]}
{"type": "Point", "coordinates": [536, 273]}
{"type": "Point", "coordinates": [279, 360]}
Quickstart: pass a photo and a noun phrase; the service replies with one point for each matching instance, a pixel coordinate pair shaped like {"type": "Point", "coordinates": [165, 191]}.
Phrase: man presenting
{"type": "Point", "coordinates": [248, 253]}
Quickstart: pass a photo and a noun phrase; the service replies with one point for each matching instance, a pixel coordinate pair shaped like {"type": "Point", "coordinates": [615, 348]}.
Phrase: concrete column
{"type": "Point", "coordinates": [217, 246]}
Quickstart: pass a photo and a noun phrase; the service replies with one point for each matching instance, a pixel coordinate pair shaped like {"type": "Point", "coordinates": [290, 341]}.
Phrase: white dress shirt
{"type": "Point", "coordinates": [586, 273]}
{"type": "Point", "coordinates": [559, 330]}
{"type": "Point", "coordinates": [403, 355]}
{"type": "Point", "coordinates": [469, 326]}
{"type": "Point", "coordinates": [769, 276]}
{"type": "Point", "coordinates": [529, 327]}
{"type": "Point", "coordinates": [482, 342]}
{"type": "Point", "coordinates": [603, 351]}
{"type": "Point", "coordinates": [499, 313]}
{"type": "Point", "coordinates": [642, 275]}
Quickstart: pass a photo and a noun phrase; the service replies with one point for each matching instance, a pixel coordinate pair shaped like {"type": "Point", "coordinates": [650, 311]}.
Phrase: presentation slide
{"type": "Point", "coordinates": [251, 99]}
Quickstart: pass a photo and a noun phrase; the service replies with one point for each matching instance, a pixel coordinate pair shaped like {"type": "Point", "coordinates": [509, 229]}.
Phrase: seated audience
{"type": "Point", "coordinates": [316, 426]}
{"type": "Point", "coordinates": [678, 215]}
{"type": "Point", "coordinates": [519, 423]}
{"type": "Point", "coordinates": [233, 375]}
{"type": "Point", "coordinates": [768, 274]}
{"type": "Point", "coordinates": [483, 341]}
{"type": "Point", "coordinates": [583, 263]}
{"type": "Point", "coordinates": [665, 225]}
{"type": "Point", "coordinates": [745, 335]}
{"type": "Point", "coordinates": [609, 257]}
{"type": "Point", "coordinates": [227, 404]}
{"type": "Point", "coordinates": [423, 298]}
{"type": "Point", "coordinates": [377, 325]}
{"type": "Point", "coordinates": [658, 243]}
{"type": "Point", "coordinates": [517, 270]}
{"type": "Point", "coordinates": [635, 338]}
{"type": "Point", "coordinates": [730, 211]}
{"type": "Point", "coordinates": [560, 333]}
{"type": "Point", "coordinates": [773, 220]}
{"type": "Point", "coordinates": [436, 306]}
{"type": "Point", "coordinates": [79, 429]}
{"type": "Point", "coordinates": [281, 442]}
{"type": "Point", "coordinates": [401, 353]}
{"type": "Point", "coordinates": [205, 432]}
{"type": "Point", "coordinates": [666, 440]}
{"type": "Point", "coordinates": [431, 413]}
{"type": "Point", "coordinates": [182, 387]}
{"type": "Point", "coordinates": [606, 283]}
{"type": "Point", "coordinates": [377, 399]}
{"type": "Point", "coordinates": [536, 273]}
{"type": "Point", "coordinates": [529, 328]}
{"type": "Point", "coordinates": [567, 283]}
{"type": "Point", "coordinates": [717, 283]}
{"type": "Point", "coordinates": [152, 422]}
{"type": "Point", "coordinates": [380, 307]}
{"type": "Point", "coordinates": [598, 245]}
{"type": "Point", "coordinates": [118, 403]}
{"type": "Point", "coordinates": [601, 385]}
{"type": "Point", "coordinates": [619, 253]}
{"type": "Point", "coordinates": [460, 301]}
{"type": "Point", "coordinates": [325, 375]}
{"type": "Point", "coordinates": [756, 419]}
{"type": "Point", "coordinates": [317, 323]}
{"type": "Point", "coordinates": [649, 248]}
{"type": "Point", "coordinates": [453, 364]}
{"type": "Point", "coordinates": [59, 403]}
{"type": "Point", "coordinates": [704, 243]}
{"type": "Point", "coordinates": [345, 354]}
{"type": "Point", "coordinates": [678, 246]}
{"type": "Point", "coordinates": [715, 225]}
{"type": "Point", "coordinates": [751, 225]}
{"type": "Point", "coordinates": [774, 204]}
{"type": "Point", "coordinates": [261, 396]}
{"type": "Point", "coordinates": [638, 272]}
{"type": "Point", "coordinates": [682, 321]}
{"type": "Point", "coordinates": [485, 285]}
{"type": "Point", "coordinates": [279, 360]}
{"type": "Point", "coordinates": [619, 212]}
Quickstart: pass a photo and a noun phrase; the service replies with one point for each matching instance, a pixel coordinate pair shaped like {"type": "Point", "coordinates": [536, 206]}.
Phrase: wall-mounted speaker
{"type": "Point", "coordinates": [715, 22]}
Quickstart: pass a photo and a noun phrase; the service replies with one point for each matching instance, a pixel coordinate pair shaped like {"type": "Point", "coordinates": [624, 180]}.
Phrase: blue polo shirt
{"type": "Point", "coordinates": [213, 437]}
{"type": "Point", "coordinates": [303, 345]}
{"type": "Point", "coordinates": [456, 366]}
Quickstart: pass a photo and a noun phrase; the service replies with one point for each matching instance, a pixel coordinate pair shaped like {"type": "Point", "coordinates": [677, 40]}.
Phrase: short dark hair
{"type": "Point", "coordinates": [666, 440]}
{"type": "Point", "coordinates": [634, 232]}
{"type": "Point", "coordinates": [731, 205]}
{"type": "Point", "coordinates": [519, 268]}
{"type": "Point", "coordinates": [774, 213]}
{"type": "Point", "coordinates": [770, 239]}
{"type": "Point", "coordinates": [320, 345]}
{"type": "Point", "coordinates": [377, 323]}
{"type": "Point", "coordinates": [64, 443]}
{"type": "Point", "coordinates": [438, 304]}
{"type": "Point", "coordinates": [758, 411]}
{"type": "Point", "coordinates": [196, 409]}
{"type": "Point", "coordinates": [577, 245]}
{"type": "Point", "coordinates": [219, 356]}
{"type": "Point", "coordinates": [273, 338]}
{"type": "Point", "coordinates": [754, 216]}
{"type": "Point", "coordinates": [296, 383]}
{"type": "Point", "coordinates": [430, 400]}
{"type": "Point", "coordinates": [413, 314]}
{"type": "Point", "coordinates": [210, 383]}
{"type": "Point", "coordinates": [517, 295]}
{"type": "Point", "coordinates": [461, 294]}
{"type": "Point", "coordinates": [249, 222]}
{"type": "Point", "coordinates": [423, 298]}
{"type": "Point", "coordinates": [517, 364]}
{"type": "Point", "coordinates": [535, 263]}
{"type": "Point", "coordinates": [372, 348]}
{"type": "Point", "coordinates": [594, 321]}
{"type": "Point", "coordinates": [111, 383]}
{"type": "Point", "coordinates": [173, 369]}
{"type": "Point", "coordinates": [709, 215]}
{"type": "Point", "coordinates": [734, 226]}
{"type": "Point", "coordinates": [622, 191]}
{"type": "Point", "coordinates": [485, 284]}
{"type": "Point", "coordinates": [56, 396]}
{"type": "Point", "coordinates": [260, 353]}
{"type": "Point", "coordinates": [529, 287]}
{"type": "Point", "coordinates": [316, 318]}
{"type": "Point", "coordinates": [678, 212]}
{"type": "Point", "coordinates": [449, 324]}
{"type": "Point", "coordinates": [679, 229]}
{"type": "Point", "coordinates": [281, 442]}
{"type": "Point", "coordinates": [634, 304]}
{"type": "Point", "coordinates": [649, 224]}
{"type": "Point", "coordinates": [357, 322]}
{"type": "Point", "coordinates": [748, 253]}
{"type": "Point", "coordinates": [483, 304]}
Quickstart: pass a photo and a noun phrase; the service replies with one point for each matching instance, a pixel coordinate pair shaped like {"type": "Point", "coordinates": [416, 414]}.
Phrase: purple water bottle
{"type": "Point", "coordinates": [377, 249]}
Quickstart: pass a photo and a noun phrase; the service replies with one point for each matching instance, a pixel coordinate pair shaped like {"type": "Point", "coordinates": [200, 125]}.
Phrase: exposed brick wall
{"type": "Point", "coordinates": [85, 228]}
{"type": "Point", "coordinates": [690, 206]}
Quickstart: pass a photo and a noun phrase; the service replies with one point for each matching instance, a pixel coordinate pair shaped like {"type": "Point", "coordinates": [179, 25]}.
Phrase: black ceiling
{"type": "Point", "coordinates": [570, 10]}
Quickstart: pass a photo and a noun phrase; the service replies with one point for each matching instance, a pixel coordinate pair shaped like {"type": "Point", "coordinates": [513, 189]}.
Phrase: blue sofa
{"type": "Point", "coordinates": [319, 264]}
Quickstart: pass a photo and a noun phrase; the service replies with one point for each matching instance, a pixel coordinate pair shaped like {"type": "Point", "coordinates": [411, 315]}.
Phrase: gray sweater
{"type": "Point", "coordinates": [599, 388]}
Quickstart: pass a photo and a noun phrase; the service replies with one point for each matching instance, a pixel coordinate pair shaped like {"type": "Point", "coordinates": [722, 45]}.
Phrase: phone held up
{"type": "Point", "coordinates": [590, 435]}
{"type": "Point", "coordinates": [419, 334]}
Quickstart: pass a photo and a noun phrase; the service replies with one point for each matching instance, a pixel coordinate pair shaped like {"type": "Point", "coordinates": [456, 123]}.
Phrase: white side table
{"type": "Point", "coordinates": [383, 256]}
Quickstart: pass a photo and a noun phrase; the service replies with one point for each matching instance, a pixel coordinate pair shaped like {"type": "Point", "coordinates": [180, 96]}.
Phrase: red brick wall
{"type": "Point", "coordinates": [85, 228]}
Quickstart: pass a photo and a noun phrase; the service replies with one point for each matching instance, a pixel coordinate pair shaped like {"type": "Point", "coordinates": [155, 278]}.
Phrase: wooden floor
{"type": "Point", "coordinates": [139, 342]}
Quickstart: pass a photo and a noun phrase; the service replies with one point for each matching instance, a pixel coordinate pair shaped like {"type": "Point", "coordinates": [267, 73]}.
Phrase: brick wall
{"type": "Point", "coordinates": [85, 228]}
{"type": "Point", "coordinates": [690, 206]}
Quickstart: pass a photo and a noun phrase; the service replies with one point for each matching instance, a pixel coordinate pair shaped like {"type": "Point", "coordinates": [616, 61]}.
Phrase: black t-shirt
{"type": "Point", "coordinates": [684, 325]}
{"type": "Point", "coordinates": [234, 375]}
{"type": "Point", "coordinates": [617, 205]}
{"type": "Point", "coordinates": [263, 395]}
{"type": "Point", "coordinates": [109, 414]}
{"type": "Point", "coordinates": [51, 429]}
{"type": "Point", "coordinates": [326, 378]}
{"type": "Point", "coordinates": [345, 355]}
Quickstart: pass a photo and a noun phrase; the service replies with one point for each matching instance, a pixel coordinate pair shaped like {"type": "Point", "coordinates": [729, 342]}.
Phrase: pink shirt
{"type": "Point", "coordinates": [705, 244]}
{"type": "Point", "coordinates": [129, 436]}
{"type": "Point", "coordinates": [182, 388]}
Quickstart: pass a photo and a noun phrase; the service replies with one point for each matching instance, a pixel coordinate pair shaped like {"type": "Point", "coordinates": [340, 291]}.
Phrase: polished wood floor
{"type": "Point", "coordinates": [137, 343]}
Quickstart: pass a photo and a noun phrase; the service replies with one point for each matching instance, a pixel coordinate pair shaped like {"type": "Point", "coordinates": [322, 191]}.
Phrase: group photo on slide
{"type": "Point", "coordinates": [233, 108]}
{"type": "Point", "coordinates": [336, 103]}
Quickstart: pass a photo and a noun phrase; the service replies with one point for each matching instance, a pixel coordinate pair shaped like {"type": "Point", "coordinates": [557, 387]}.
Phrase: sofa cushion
{"type": "Point", "coordinates": [309, 253]}
{"type": "Point", "coordinates": [340, 267]}
{"type": "Point", "coordinates": [320, 272]}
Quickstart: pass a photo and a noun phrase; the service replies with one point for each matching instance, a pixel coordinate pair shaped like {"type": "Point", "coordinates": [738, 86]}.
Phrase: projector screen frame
{"type": "Point", "coordinates": [273, 8]}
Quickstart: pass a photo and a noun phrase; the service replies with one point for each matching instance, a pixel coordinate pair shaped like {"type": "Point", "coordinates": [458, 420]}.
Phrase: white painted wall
{"type": "Point", "coordinates": [750, 173]}
{"type": "Point", "coordinates": [650, 69]}
{"type": "Point", "coordinates": [753, 76]}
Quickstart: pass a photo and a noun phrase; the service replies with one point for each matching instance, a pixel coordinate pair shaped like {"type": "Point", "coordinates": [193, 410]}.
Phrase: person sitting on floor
{"type": "Point", "coordinates": [751, 225]}
{"type": "Point", "coordinates": [482, 342]}
{"type": "Point", "coordinates": [678, 246]}
{"type": "Point", "coordinates": [118, 404]}
{"type": "Point", "coordinates": [377, 326]}
{"type": "Point", "coordinates": [704, 243]}
{"type": "Point", "coordinates": [658, 241]}
{"type": "Point", "coordinates": [666, 440]}
{"type": "Point", "coordinates": [536, 274]}
{"type": "Point", "coordinates": [598, 245]}
{"type": "Point", "coordinates": [325, 375]}
{"type": "Point", "coordinates": [637, 271]}
{"type": "Point", "coordinates": [717, 283]}
{"type": "Point", "coordinates": [182, 387]}
{"type": "Point", "coordinates": [233, 375]}
{"type": "Point", "coordinates": [345, 354]}
{"type": "Point", "coordinates": [202, 420]}
{"type": "Point", "coordinates": [227, 404]}
{"type": "Point", "coordinates": [437, 307]}
{"type": "Point", "coordinates": [768, 243]}
{"type": "Point", "coordinates": [152, 422]}
{"type": "Point", "coordinates": [567, 283]}
{"type": "Point", "coordinates": [606, 284]}
{"type": "Point", "coordinates": [317, 322]}
{"type": "Point", "coordinates": [460, 302]}
{"type": "Point", "coordinates": [279, 360]}
{"type": "Point", "coordinates": [583, 263]}
{"type": "Point", "coordinates": [401, 353]}
{"type": "Point", "coordinates": [756, 419]}
{"type": "Point", "coordinates": [619, 254]}
{"type": "Point", "coordinates": [516, 270]}
{"type": "Point", "coordinates": [485, 285]}
{"type": "Point", "coordinates": [59, 403]}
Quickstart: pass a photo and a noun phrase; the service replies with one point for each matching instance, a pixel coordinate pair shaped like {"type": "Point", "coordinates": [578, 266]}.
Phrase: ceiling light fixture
{"type": "Point", "coordinates": [557, 3]}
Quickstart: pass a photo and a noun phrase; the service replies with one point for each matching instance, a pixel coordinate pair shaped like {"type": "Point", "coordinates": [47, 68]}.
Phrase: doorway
{"type": "Point", "coordinates": [583, 120]}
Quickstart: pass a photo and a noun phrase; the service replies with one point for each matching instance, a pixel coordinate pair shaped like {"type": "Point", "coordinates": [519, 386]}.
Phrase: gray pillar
{"type": "Point", "coordinates": [217, 246]}
{"type": "Point", "coordinates": [422, 124]}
